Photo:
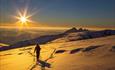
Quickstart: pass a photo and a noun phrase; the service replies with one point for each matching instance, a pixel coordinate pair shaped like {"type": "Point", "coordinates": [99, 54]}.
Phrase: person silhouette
{"type": "Point", "coordinates": [37, 50]}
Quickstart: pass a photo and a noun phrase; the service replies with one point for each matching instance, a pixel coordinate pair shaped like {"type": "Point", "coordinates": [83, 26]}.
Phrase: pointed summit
{"type": "Point", "coordinates": [71, 30]}
{"type": "Point", "coordinates": [75, 30]}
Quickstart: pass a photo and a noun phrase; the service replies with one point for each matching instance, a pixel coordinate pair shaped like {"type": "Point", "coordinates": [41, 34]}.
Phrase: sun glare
{"type": "Point", "coordinates": [23, 19]}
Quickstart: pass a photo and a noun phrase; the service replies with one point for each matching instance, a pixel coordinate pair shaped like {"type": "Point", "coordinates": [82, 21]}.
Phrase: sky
{"type": "Point", "coordinates": [61, 12]}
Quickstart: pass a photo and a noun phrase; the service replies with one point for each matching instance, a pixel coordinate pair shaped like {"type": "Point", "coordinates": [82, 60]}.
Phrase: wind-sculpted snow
{"type": "Point", "coordinates": [87, 54]}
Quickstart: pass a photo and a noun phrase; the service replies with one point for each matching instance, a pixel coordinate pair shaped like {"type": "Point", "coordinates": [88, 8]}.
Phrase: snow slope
{"type": "Point", "coordinates": [88, 54]}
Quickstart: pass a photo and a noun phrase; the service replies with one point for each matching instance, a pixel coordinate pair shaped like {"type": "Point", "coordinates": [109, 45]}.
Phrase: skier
{"type": "Point", "coordinates": [37, 50]}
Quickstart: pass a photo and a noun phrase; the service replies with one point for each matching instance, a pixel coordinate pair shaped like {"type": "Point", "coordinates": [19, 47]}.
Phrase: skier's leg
{"type": "Point", "coordinates": [37, 56]}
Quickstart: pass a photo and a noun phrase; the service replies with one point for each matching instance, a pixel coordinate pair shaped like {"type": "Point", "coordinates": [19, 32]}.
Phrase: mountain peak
{"type": "Point", "coordinates": [75, 30]}
{"type": "Point", "coordinates": [71, 30]}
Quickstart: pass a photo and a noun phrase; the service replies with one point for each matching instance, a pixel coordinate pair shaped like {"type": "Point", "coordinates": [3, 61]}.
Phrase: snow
{"type": "Point", "coordinates": [100, 58]}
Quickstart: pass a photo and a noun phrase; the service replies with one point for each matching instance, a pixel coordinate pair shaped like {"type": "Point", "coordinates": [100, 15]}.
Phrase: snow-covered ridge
{"type": "Point", "coordinates": [69, 35]}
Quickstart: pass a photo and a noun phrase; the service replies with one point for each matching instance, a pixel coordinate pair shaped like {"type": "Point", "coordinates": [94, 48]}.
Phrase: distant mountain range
{"type": "Point", "coordinates": [72, 34]}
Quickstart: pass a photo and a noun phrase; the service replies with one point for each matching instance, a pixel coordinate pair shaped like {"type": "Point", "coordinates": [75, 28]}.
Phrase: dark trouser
{"type": "Point", "coordinates": [37, 56]}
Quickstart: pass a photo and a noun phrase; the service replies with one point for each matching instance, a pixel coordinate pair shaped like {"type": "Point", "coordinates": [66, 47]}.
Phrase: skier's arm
{"type": "Point", "coordinates": [34, 49]}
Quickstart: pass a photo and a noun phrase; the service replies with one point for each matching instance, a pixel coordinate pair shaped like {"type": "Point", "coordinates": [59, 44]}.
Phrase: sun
{"type": "Point", "coordinates": [23, 16]}
{"type": "Point", "coordinates": [23, 19]}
